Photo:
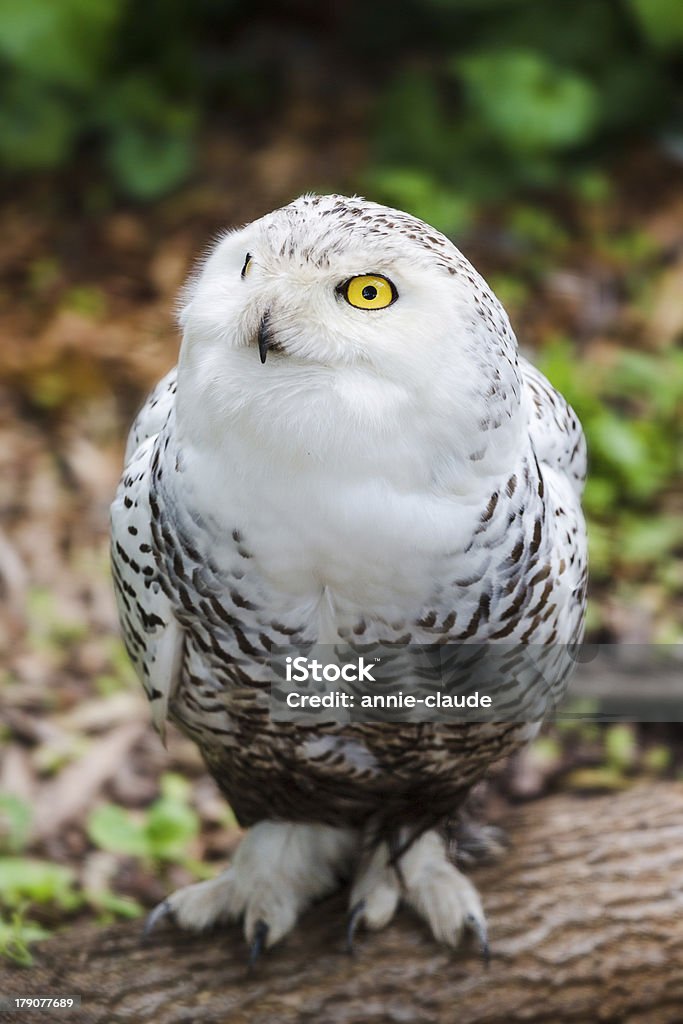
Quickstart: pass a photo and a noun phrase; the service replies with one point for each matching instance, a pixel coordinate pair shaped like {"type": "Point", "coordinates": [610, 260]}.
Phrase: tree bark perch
{"type": "Point", "coordinates": [586, 923]}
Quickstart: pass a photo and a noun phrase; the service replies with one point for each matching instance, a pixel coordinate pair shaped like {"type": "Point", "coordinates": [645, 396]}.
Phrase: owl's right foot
{"type": "Point", "coordinates": [279, 870]}
{"type": "Point", "coordinates": [425, 878]}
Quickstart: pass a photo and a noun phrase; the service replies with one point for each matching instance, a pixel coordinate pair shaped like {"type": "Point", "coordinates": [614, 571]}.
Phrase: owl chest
{"type": "Point", "coordinates": [316, 555]}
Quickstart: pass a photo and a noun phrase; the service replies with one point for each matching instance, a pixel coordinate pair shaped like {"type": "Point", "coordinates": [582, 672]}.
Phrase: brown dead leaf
{"type": "Point", "coordinates": [73, 791]}
{"type": "Point", "coordinates": [664, 325]}
{"type": "Point", "coordinates": [13, 575]}
{"type": "Point", "coordinates": [100, 713]}
{"type": "Point", "coordinates": [16, 775]}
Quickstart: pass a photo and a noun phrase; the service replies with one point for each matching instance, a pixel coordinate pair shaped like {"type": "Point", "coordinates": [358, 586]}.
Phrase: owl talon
{"type": "Point", "coordinates": [277, 871]}
{"type": "Point", "coordinates": [258, 942]}
{"type": "Point", "coordinates": [354, 919]}
{"type": "Point", "coordinates": [162, 910]}
{"type": "Point", "coordinates": [478, 926]}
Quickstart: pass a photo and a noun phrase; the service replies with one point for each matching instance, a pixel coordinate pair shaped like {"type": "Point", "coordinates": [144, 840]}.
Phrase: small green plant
{"type": "Point", "coordinates": [29, 883]}
{"type": "Point", "coordinates": [15, 823]}
{"type": "Point", "coordinates": [25, 884]}
{"type": "Point", "coordinates": [25, 879]}
{"type": "Point", "coordinates": [162, 833]}
{"type": "Point", "coordinates": [16, 935]}
{"type": "Point", "coordinates": [621, 748]}
{"type": "Point", "coordinates": [631, 408]}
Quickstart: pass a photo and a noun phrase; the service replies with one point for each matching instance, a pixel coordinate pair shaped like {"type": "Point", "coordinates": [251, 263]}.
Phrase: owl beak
{"type": "Point", "coordinates": [264, 336]}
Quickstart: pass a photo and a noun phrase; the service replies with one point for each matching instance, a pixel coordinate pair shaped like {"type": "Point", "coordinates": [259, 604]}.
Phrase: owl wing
{"type": "Point", "coordinates": [152, 634]}
{"type": "Point", "coordinates": [153, 414]}
{"type": "Point", "coordinates": [556, 433]}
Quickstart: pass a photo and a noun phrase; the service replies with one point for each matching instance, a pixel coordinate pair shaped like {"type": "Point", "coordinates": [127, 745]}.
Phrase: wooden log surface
{"type": "Point", "coordinates": [586, 922]}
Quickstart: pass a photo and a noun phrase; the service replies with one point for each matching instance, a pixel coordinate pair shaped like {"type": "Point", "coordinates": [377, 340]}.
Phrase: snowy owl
{"type": "Point", "coordinates": [350, 446]}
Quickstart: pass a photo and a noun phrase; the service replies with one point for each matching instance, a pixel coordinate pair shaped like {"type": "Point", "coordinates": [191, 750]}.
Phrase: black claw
{"type": "Point", "coordinates": [258, 943]}
{"type": "Point", "coordinates": [352, 927]}
{"type": "Point", "coordinates": [479, 928]}
{"type": "Point", "coordinates": [161, 911]}
{"type": "Point", "coordinates": [264, 337]}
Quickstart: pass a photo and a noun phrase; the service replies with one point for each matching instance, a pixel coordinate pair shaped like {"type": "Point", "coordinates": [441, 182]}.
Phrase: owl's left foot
{"type": "Point", "coordinates": [427, 880]}
{"type": "Point", "coordinates": [279, 869]}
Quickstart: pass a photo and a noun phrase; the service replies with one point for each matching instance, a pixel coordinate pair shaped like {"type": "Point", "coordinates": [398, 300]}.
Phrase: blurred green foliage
{"type": "Point", "coordinates": [16, 935]}
{"type": "Point", "coordinates": [614, 756]}
{"type": "Point", "coordinates": [15, 823]}
{"type": "Point", "coordinates": [27, 883]}
{"type": "Point", "coordinates": [161, 834]}
{"type": "Point", "coordinates": [475, 97]}
{"type": "Point", "coordinates": [76, 71]}
{"type": "Point", "coordinates": [24, 878]}
{"type": "Point", "coordinates": [631, 408]}
{"type": "Point", "coordinates": [517, 94]}
{"type": "Point", "coordinates": [32, 887]}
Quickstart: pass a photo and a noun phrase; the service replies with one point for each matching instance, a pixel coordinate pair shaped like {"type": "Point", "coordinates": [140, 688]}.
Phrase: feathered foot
{"type": "Point", "coordinates": [278, 870]}
{"type": "Point", "coordinates": [427, 880]}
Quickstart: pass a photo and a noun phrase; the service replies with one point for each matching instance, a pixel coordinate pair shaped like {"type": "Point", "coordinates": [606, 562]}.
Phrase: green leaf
{"type": "Point", "coordinates": [15, 823]}
{"type": "Point", "coordinates": [175, 787]}
{"type": "Point", "coordinates": [37, 128]}
{"type": "Point", "coordinates": [421, 194]}
{"type": "Point", "coordinates": [39, 881]}
{"type": "Point", "coordinates": [600, 550]}
{"type": "Point", "coordinates": [661, 21]}
{"type": "Point", "coordinates": [619, 443]}
{"type": "Point", "coordinates": [594, 616]}
{"type": "Point", "coordinates": [170, 826]}
{"type": "Point", "coordinates": [114, 829]}
{"type": "Point", "coordinates": [87, 300]}
{"type": "Point", "coordinates": [527, 102]}
{"type": "Point", "coordinates": [512, 290]}
{"type": "Point", "coordinates": [121, 906]}
{"type": "Point", "coordinates": [590, 780]}
{"type": "Point", "coordinates": [621, 747]}
{"type": "Point", "coordinates": [537, 226]}
{"type": "Point", "coordinates": [59, 41]}
{"type": "Point", "coordinates": [600, 494]}
{"type": "Point", "coordinates": [151, 136]}
{"type": "Point", "coordinates": [649, 540]}
{"type": "Point", "coordinates": [16, 934]}
{"type": "Point", "coordinates": [658, 759]}
{"type": "Point", "coordinates": [592, 186]}
{"type": "Point", "coordinates": [411, 124]}
{"type": "Point", "coordinates": [147, 166]}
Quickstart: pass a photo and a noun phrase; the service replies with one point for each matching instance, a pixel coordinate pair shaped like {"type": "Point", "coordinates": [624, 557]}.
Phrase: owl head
{"type": "Point", "coordinates": [336, 319]}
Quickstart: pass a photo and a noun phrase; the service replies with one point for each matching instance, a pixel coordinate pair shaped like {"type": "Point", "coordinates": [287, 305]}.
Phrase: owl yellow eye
{"type": "Point", "coordinates": [247, 265]}
{"type": "Point", "coordinates": [369, 291]}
